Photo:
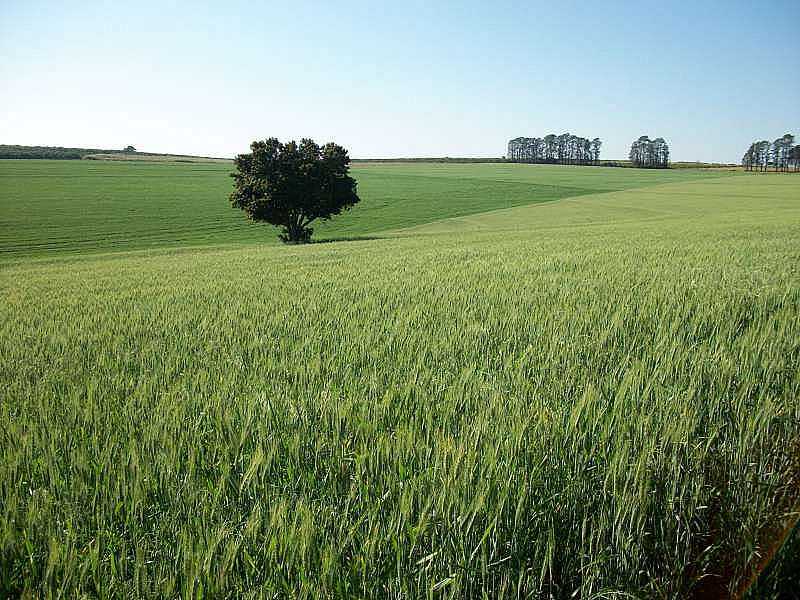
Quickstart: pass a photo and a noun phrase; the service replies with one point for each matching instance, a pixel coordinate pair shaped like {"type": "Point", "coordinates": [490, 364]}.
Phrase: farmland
{"type": "Point", "coordinates": [91, 206]}
{"type": "Point", "coordinates": [504, 380]}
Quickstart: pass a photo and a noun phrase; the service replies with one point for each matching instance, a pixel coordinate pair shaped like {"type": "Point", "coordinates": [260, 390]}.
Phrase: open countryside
{"type": "Point", "coordinates": [501, 378]}
{"type": "Point", "coordinates": [71, 206]}
{"type": "Point", "coordinates": [426, 300]}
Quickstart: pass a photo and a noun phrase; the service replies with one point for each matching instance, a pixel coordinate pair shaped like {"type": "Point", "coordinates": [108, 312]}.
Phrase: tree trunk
{"type": "Point", "coordinates": [296, 232]}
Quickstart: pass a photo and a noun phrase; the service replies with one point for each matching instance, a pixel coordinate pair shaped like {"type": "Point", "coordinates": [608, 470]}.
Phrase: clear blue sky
{"type": "Point", "coordinates": [399, 78]}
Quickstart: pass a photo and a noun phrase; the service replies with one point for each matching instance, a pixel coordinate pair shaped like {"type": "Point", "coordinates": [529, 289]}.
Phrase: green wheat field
{"type": "Point", "coordinates": [495, 380]}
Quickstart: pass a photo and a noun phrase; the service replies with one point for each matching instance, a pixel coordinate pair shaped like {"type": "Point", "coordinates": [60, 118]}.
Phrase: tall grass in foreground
{"type": "Point", "coordinates": [589, 413]}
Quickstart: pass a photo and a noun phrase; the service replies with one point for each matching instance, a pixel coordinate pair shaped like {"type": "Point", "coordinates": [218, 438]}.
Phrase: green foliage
{"type": "Point", "coordinates": [49, 152]}
{"type": "Point", "coordinates": [291, 185]}
{"type": "Point", "coordinates": [565, 149]}
{"type": "Point", "coordinates": [782, 154]}
{"type": "Point", "coordinates": [649, 154]}
{"type": "Point", "coordinates": [59, 153]}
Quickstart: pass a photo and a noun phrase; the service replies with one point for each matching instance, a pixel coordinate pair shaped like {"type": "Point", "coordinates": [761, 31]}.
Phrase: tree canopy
{"type": "Point", "coordinates": [291, 185]}
{"type": "Point", "coordinates": [649, 154]}
{"type": "Point", "coordinates": [565, 149]}
{"type": "Point", "coordinates": [781, 154]}
{"type": "Point", "coordinates": [49, 152]}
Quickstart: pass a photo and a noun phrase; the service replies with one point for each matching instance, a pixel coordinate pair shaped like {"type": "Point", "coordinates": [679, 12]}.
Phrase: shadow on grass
{"type": "Point", "coordinates": [353, 238]}
{"type": "Point", "coordinates": [781, 577]}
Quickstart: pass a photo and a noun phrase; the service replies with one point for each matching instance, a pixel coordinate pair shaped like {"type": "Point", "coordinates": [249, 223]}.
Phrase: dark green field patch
{"type": "Point", "coordinates": [396, 202]}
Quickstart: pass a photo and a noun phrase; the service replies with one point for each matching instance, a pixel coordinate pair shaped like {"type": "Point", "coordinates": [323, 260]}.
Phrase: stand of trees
{"type": "Point", "coordinates": [649, 154]}
{"type": "Point", "coordinates": [564, 149]}
{"type": "Point", "coordinates": [782, 155]}
{"type": "Point", "coordinates": [53, 152]}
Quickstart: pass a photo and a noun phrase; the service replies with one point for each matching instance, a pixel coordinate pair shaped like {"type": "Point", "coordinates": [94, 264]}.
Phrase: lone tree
{"type": "Point", "coordinates": [291, 185]}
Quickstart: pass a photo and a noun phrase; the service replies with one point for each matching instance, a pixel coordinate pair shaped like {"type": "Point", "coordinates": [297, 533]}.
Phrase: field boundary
{"type": "Point", "coordinates": [544, 203]}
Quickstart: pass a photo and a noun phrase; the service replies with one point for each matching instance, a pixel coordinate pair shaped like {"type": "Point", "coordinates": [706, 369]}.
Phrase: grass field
{"type": "Point", "coordinates": [48, 206]}
{"type": "Point", "coordinates": [536, 381]}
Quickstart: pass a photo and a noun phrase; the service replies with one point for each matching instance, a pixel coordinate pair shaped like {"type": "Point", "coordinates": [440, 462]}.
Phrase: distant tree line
{"type": "Point", "coordinates": [649, 154]}
{"type": "Point", "coordinates": [564, 149]}
{"type": "Point", "coordinates": [782, 155]}
{"type": "Point", "coordinates": [54, 152]}
{"type": "Point", "coordinates": [432, 159]}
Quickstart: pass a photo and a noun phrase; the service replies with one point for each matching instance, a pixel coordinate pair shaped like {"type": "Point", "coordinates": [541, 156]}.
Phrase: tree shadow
{"type": "Point", "coordinates": [350, 238]}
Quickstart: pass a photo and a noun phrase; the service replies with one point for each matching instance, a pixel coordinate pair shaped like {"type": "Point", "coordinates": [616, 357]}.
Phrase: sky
{"type": "Point", "coordinates": [399, 79]}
